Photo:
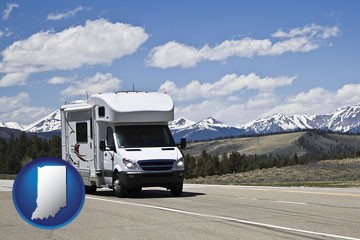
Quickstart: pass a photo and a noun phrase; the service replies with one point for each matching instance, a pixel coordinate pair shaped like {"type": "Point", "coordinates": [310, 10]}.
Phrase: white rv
{"type": "Point", "coordinates": [122, 141]}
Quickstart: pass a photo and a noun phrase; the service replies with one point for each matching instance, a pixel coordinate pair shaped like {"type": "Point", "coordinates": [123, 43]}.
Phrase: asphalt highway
{"type": "Point", "coordinates": [203, 212]}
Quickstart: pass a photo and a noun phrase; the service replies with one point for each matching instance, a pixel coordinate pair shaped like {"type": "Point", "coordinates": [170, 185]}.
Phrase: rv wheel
{"type": "Point", "coordinates": [118, 187]}
{"type": "Point", "coordinates": [176, 191]}
{"type": "Point", "coordinates": [135, 190]}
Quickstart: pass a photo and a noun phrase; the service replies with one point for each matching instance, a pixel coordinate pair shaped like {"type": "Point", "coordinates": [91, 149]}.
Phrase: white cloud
{"type": "Point", "coordinates": [303, 39]}
{"type": "Point", "coordinates": [349, 93]}
{"type": "Point", "coordinates": [12, 79]}
{"type": "Point", "coordinates": [246, 47]}
{"type": "Point", "coordinates": [262, 100]}
{"type": "Point", "coordinates": [237, 111]}
{"type": "Point", "coordinates": [97, 42]}
{"type": "Point", "coordinates": [96, 84]}
{"type": "Point", "coordinates": [5, 33]}
{"type": "Point", "coordinates": [309, 31]}
{"type": "Point", "coordinates": [15, 109]}
{"type": "Point", "coordinates": [214, 108]}
{"type": "Point", "coordinates": [64, 15]}
{"type": "Point", "coordinates": [59, 80]}
{"type": "Point", "coordinates": [318, 101]}
{"type": "Point", "coordinates": [226, 86]}
{"type": "Point", "coordinates": [7, 11]}
{"type": "Point", "coordinates": [173, 54]}
{"type": "Point", "coordinates": [8, 103]}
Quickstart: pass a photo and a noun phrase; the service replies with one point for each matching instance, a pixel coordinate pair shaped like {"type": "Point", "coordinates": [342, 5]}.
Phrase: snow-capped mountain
{"type": "Point", "coordinates": [208, 128]}
{"type": "Point", "coordinates": [180, 123]}
{"type": "Point", "coordinates": [345, 119]}
{"type": "Point", "coordinates": [12, 125]}
{"type": "Point", "coordinates": [49, 123]}
{"type": "Point", "coordinates": [278, 123]}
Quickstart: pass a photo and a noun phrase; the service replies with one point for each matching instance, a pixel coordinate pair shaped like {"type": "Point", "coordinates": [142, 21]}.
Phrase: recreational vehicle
{"type": "Point", "coordinates": [122, 141]}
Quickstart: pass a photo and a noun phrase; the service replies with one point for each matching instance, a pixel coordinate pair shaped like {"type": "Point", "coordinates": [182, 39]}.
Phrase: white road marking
{"type": "Point", "coordinates": [225, 218]}
{"type": "Point", "coordinates": [6, 185]}
{"type": "Point", "coordinates": [301, 190]}
{"type": "Point", "coordinates": [299, 203]}
{"type": "Point", "coordinates": [248, 198]}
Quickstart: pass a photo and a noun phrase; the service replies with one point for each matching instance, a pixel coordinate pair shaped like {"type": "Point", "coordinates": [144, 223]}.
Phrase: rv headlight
{"type": "Point", "coordinates": [180, 163]}
{"type": "Point", "coordinates": [130, 164]}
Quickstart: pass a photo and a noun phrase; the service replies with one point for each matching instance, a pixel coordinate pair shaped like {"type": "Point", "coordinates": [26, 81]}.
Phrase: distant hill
{"type": "Point", "coordinates": [7, 133]}
{"type": "Point", "coordinates": [286, 144]}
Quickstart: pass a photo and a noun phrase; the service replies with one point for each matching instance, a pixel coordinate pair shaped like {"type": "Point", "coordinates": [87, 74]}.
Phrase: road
{"type": "Point", "coordinates": [203, 212]}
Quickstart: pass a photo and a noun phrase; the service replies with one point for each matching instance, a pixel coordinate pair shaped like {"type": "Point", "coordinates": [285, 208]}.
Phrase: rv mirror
{"type": "Point", "coordinates": [102, 145]}
{"type": "Point", "coordinates": [111, 148]}
{"type": "Point", "coordinates": [183, 143]}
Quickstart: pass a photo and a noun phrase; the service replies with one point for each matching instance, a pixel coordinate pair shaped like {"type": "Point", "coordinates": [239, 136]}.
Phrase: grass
{"type": "Point", "coordinates": [330, 173]}
{"type": "Point", "coordinates": [8, 176]}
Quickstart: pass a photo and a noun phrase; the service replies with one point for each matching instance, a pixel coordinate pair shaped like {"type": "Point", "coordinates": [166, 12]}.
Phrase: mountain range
{"type": "Point", "coordinates": [343, 120]}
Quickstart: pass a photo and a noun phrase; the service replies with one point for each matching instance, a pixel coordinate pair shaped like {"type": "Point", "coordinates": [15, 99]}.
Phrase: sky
{"type": "Point", "coordinates": [232, 60]}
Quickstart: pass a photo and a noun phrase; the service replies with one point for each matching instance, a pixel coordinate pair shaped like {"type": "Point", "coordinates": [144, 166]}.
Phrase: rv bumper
{"type": "Point", "coordinates": [152, 179]}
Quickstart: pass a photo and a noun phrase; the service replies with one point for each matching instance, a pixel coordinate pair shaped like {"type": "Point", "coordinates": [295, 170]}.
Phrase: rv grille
{"type": "Point", "coordinates": [156, 165]}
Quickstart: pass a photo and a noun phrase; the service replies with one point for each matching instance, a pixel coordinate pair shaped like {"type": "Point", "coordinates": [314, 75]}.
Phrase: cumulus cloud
{"type": "Point", "coordinates": [96, 84]}
{"type": "Point", "coordinates": [174, 54]}
{"type": "Point", "coordinates": [226, 86]}
{"type": "Point", "coordinates": [242, 108]}
{"type": "Point", "coordinates": [262, 100]}
{"type": "Point", "coordinates": [207, 108]}
{"type": "Point", "coordinates": [97, 42]}
{"type": "Point", "coordinates": [303, 39]}
{"type": "Point", "coordinates": [65, 15]}
{"type": "Point", "coordinates": [12, 79]}
{"type": "Point", "coordinates": [318, 100]}
{"type": "Point", "coordinates": [59, 80]}
{"type": "Point", "coordinates": [15, 108]}
{"type": "Point", "coordinates": [7, 11]}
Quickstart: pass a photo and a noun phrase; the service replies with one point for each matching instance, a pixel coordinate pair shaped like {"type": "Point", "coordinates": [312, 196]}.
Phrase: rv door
{"type": "Point", "coordinates": [80, 137]}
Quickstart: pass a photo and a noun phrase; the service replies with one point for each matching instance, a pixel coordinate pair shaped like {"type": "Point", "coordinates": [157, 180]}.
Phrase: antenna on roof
{"type": "Point", "coordinates": [87, 95]}
{"type": "Point", "coordinates": [133, 87]}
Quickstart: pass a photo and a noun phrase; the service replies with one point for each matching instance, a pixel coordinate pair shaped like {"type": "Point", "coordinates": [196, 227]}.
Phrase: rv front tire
{"type": "Point", "coordinates": [176, 191]}
{"type": "Point", "coordinates": [119, 188]}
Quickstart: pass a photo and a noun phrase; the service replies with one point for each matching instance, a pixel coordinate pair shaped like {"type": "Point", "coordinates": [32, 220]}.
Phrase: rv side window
{"type": "Point", "coordinates": [110, 137]}
{"type": "Point", "coordinates": [81, 132]}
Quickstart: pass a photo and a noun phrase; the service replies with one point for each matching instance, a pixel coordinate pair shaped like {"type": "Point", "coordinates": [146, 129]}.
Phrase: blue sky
{"type": "Point", "coordinates": [232, 60]}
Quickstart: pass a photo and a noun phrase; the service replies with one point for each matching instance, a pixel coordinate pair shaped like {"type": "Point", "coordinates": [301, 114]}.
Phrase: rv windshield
{"type": "Point", "coordinates": [136, 136]}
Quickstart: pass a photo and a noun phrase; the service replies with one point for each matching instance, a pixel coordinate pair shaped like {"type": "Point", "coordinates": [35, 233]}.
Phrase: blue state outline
{"type": "Point", "coordinates": [49, 161]}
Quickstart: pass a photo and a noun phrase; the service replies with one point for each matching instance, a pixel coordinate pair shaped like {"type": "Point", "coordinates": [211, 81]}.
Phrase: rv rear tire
{"type": "Point", "coordinates": [119, 188]}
